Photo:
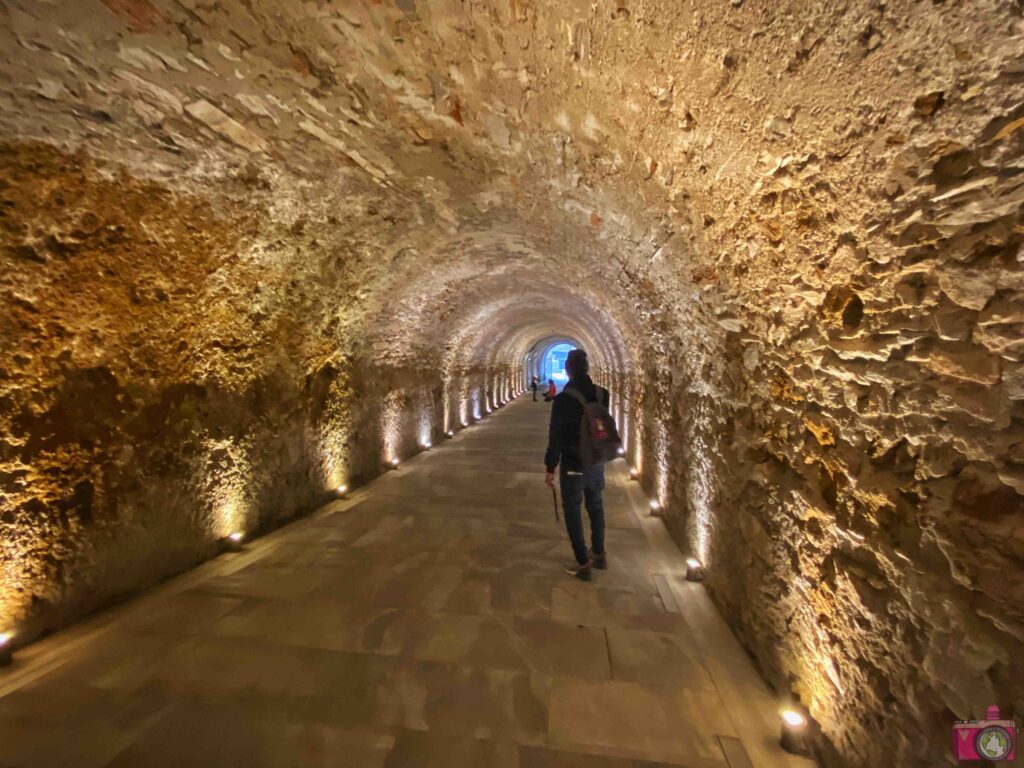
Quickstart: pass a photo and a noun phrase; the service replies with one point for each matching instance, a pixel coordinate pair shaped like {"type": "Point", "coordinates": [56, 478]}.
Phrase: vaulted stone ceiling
{"type": "Point", "coordinates": [251, 248]}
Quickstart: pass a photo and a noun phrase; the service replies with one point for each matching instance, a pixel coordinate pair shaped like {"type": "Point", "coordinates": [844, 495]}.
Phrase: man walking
{"type": "Point", "coordinates": [579, 482]}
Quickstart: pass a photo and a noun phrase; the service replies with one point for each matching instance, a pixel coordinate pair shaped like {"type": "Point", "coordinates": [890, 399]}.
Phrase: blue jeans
{"type": "Point", "coordinates": [586, 486]}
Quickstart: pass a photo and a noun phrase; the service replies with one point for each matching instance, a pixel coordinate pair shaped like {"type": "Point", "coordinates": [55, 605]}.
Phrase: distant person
{"type": "Point", "coordinates": [552, 391]}
{"type": "Point", "coordinates": [533, 386]}
{"type": "Point", "coordinates": [582, 437]}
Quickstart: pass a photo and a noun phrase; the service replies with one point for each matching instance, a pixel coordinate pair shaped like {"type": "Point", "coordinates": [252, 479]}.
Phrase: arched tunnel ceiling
{"type": "Point", "coordinates": [475, 173]}
{"type": "Point", "coordinates": [492, 316]}
{"type": "Point", "coordinates": [654, 151]}
{"type": "Point", "coordinates": [244, 242]}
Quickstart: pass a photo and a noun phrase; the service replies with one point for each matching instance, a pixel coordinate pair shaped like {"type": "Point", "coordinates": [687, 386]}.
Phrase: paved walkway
{"type": "Point", "coordinates": [422, 622]}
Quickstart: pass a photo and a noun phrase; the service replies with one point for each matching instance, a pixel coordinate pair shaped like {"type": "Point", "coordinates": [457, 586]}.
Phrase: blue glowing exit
{"type": "Point", "coordinates": [553, 364]}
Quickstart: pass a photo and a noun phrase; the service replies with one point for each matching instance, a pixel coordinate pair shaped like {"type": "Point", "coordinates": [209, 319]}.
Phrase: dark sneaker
{"type": "Point", "coordinates": [581, 572]}
{"type": "Point", "coordinates": [600, 561]}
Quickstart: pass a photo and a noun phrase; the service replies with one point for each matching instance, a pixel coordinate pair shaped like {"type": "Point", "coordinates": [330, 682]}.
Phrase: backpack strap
{"type": "Point", "coordinates": [578, 395]}
{"type": "Point", "coordinates": [581, 398]}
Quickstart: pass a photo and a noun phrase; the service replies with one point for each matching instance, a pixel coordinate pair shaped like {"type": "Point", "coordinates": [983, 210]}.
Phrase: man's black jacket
{"type": "Point", "coordinates": [564, 432]}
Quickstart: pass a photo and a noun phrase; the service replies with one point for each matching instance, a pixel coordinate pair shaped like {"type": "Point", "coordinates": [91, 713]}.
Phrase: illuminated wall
{"type": "Point", "coordinates": [787, 233]}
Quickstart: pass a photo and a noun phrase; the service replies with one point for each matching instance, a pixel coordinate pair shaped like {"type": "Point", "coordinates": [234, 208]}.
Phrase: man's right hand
{"type": "Point", "coordinates": [549, 478]}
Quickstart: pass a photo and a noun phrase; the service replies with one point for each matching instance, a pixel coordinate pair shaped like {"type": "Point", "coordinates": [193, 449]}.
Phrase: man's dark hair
{"type": "Point", "coordinates": [576, 363]}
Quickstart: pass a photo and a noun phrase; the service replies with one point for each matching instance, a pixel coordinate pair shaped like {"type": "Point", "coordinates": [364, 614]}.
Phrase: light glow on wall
{"type": "Point", "coordinates": [336, 477]}
{"type": "Point", "coordinates": [5, 648]}
{"type": "Point", "coordinates": [230, 516]}
{"type": "Point", "coordinates": [15, 591]}
{"type": "Point", "coordinates": [391, 425]}
{"type": "Point", "coordinates": [699, 481]}
{"type": "Point", "coordinates": [425, 428]}
{"type": "Point", "coordinates": [465, 402]}
{"type": "Point", "coordinates": [228, 485]}
{"type": "Point", "coordinates": [447, 397]}
{"type": "Point", "coordinates": [638, 439]}
{"type": "Point", "coordinates": [811, 648]}
{"type": "Point", "coordinates": [662, 460]}
{"type": "Point", "coordinates": [334, 432]}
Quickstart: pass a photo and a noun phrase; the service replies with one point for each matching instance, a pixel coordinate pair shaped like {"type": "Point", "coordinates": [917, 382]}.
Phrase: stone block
{"type": "Point", "coordinates": [226, 126]}
{"type": "Point", "coordinates": [963, 362]}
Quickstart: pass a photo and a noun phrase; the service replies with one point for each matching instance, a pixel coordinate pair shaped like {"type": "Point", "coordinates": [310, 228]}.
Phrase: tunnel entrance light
{"type": "Point", "coordinates": [793, 738]}
{"type": "Point", "coordinates": [6, 656]}
{"type": "Point", "coordinates": [694, 570]}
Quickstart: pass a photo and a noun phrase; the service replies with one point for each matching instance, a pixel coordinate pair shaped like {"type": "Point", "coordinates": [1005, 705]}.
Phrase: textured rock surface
{"type": "Point", "coordinates": [251, 250]}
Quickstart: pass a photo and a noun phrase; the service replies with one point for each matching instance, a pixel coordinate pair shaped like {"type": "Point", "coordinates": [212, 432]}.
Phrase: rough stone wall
{"type": "Point", "coordinates": [246, 246]}
{"type": "Point", "coordinates": [156, 397]}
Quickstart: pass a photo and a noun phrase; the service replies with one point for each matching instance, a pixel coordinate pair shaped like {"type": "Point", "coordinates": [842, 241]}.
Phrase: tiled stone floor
{"type": "Point", "coordinates": [422, 622]}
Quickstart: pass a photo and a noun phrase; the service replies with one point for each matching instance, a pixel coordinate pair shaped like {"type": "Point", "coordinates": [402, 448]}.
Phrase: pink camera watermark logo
{"type": "Point", "coordinates": [991, 739]}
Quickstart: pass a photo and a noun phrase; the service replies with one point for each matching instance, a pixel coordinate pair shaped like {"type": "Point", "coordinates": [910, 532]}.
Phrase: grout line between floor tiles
{"type": "Point", "coordinates": [608, 650]}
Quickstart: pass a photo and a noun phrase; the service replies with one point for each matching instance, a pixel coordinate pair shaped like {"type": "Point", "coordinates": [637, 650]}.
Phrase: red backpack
{"type": "Point", "coordinates": [599, 439]}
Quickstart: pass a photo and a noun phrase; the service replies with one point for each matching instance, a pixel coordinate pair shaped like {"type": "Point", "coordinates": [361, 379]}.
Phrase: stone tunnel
{"type": "Point", "coordinates": [255, 251]}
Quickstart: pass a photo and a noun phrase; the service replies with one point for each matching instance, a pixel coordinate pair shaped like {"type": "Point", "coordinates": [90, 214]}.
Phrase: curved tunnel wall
{"type": "Point", "coordinates": [251, 251]}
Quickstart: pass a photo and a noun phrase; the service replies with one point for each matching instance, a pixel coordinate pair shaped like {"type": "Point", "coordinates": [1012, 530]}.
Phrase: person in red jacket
{"type": "Point", "coordinates": [552, 391]}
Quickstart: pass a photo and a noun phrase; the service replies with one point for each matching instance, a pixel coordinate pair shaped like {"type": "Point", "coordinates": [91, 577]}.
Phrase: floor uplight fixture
{"type": "Point", "coordinates": [450, 433]}
{"type": "Point", "coordinates": [634, 474]}
{"type": "Point", "coordinates": [694, 570]}
{"type": "Point", "coordinates": [794, 732]}
{"type": "Point", "coordinates": [234, 540]}
{"type": "Point", "coordinates": [6, 656]}
{"type": "Point", "coordinates": [655, 506]}
{"type": "Point", "coordinates": [341, 490]}
{"type": "Point", "coordinates": [393, 464]}
{"type": "Point", "coordinates": [622, 451]}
